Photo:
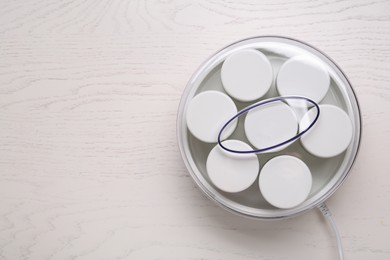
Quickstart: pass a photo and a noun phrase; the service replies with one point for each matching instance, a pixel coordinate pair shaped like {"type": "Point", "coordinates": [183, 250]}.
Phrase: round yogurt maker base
{"type": "Point", "coordinates": [328, 174]}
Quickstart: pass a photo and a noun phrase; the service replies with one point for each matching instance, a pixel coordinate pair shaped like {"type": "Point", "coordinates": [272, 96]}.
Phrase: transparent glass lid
{"type": "Point", "coordinates": [287, 68]}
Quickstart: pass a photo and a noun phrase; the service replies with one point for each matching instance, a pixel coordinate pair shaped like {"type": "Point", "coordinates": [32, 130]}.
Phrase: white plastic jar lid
{"type": "Point", "coordinates": [285, 181]}
{"type": "Point", "coordinates": [246, 75]}
{"type": "Point", "coordinates": [332, 133]}
{"type": "Point", "coordinates": [270, 125]}
{"type": "Point", "coordinates": [303, 76]}
{"type": "Point", "coordinates": [207, 113]}
{"type": "Point", "coordinates": [232, 172]}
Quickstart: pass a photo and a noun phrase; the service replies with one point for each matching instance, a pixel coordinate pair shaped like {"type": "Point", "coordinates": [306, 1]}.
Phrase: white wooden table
{"type": "Point", "coordinates": [89, 165]}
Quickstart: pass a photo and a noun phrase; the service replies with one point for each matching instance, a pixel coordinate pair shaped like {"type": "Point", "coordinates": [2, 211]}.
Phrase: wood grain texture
{"type": "Point", "coordinates": [89, 165]}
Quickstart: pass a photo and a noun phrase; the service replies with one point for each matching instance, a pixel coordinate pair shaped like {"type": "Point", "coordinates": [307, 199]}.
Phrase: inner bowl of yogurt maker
{"type": "Point", "coordinates": [327, 173]}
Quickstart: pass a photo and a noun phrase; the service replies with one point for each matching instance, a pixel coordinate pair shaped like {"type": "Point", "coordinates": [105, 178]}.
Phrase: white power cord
{"type": "Point", "coordinates": [328, 216]}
